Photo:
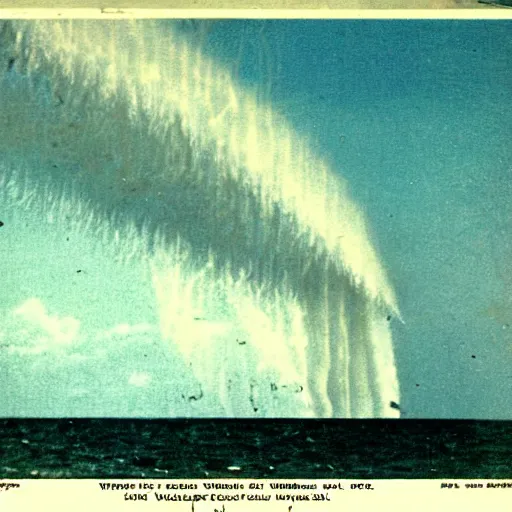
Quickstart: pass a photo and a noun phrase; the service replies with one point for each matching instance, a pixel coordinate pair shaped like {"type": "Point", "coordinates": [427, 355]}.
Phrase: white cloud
{"type": "Point", "coordinates": [30, 329]}
{"type": "Point", "coordinates": [79, 392]}
{"type": "Point", "coordinates": [126, 330]}
{"type": "Point", "coordinates": [139, 379]}
{"type": "Point", "coordinates": [58, 330]}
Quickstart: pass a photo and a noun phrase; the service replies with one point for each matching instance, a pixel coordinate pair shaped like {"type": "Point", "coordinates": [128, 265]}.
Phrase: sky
{"type": "Point", "coordinates": [414, 115]}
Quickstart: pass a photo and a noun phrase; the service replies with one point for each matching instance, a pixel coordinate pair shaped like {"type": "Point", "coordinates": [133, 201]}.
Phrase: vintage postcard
{"type": "Point", "coordinates": [260, 256]}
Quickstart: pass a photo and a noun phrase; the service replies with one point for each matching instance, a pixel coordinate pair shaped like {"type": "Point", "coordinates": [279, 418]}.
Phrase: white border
{"type": "Point", "coordinates": [119, 13]}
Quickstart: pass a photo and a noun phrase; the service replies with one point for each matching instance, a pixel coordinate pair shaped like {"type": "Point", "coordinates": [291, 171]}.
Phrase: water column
{"type": "Point", "coordinates": [264, 275]}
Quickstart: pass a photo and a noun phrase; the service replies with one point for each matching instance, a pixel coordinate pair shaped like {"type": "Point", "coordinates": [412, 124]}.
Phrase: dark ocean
{"type": "Point", "coordinates": [283, 449]}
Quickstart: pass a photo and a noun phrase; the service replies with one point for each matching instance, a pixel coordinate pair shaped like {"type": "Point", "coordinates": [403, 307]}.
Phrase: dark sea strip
{"type": "Point", "coordinates": [280, 449]}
